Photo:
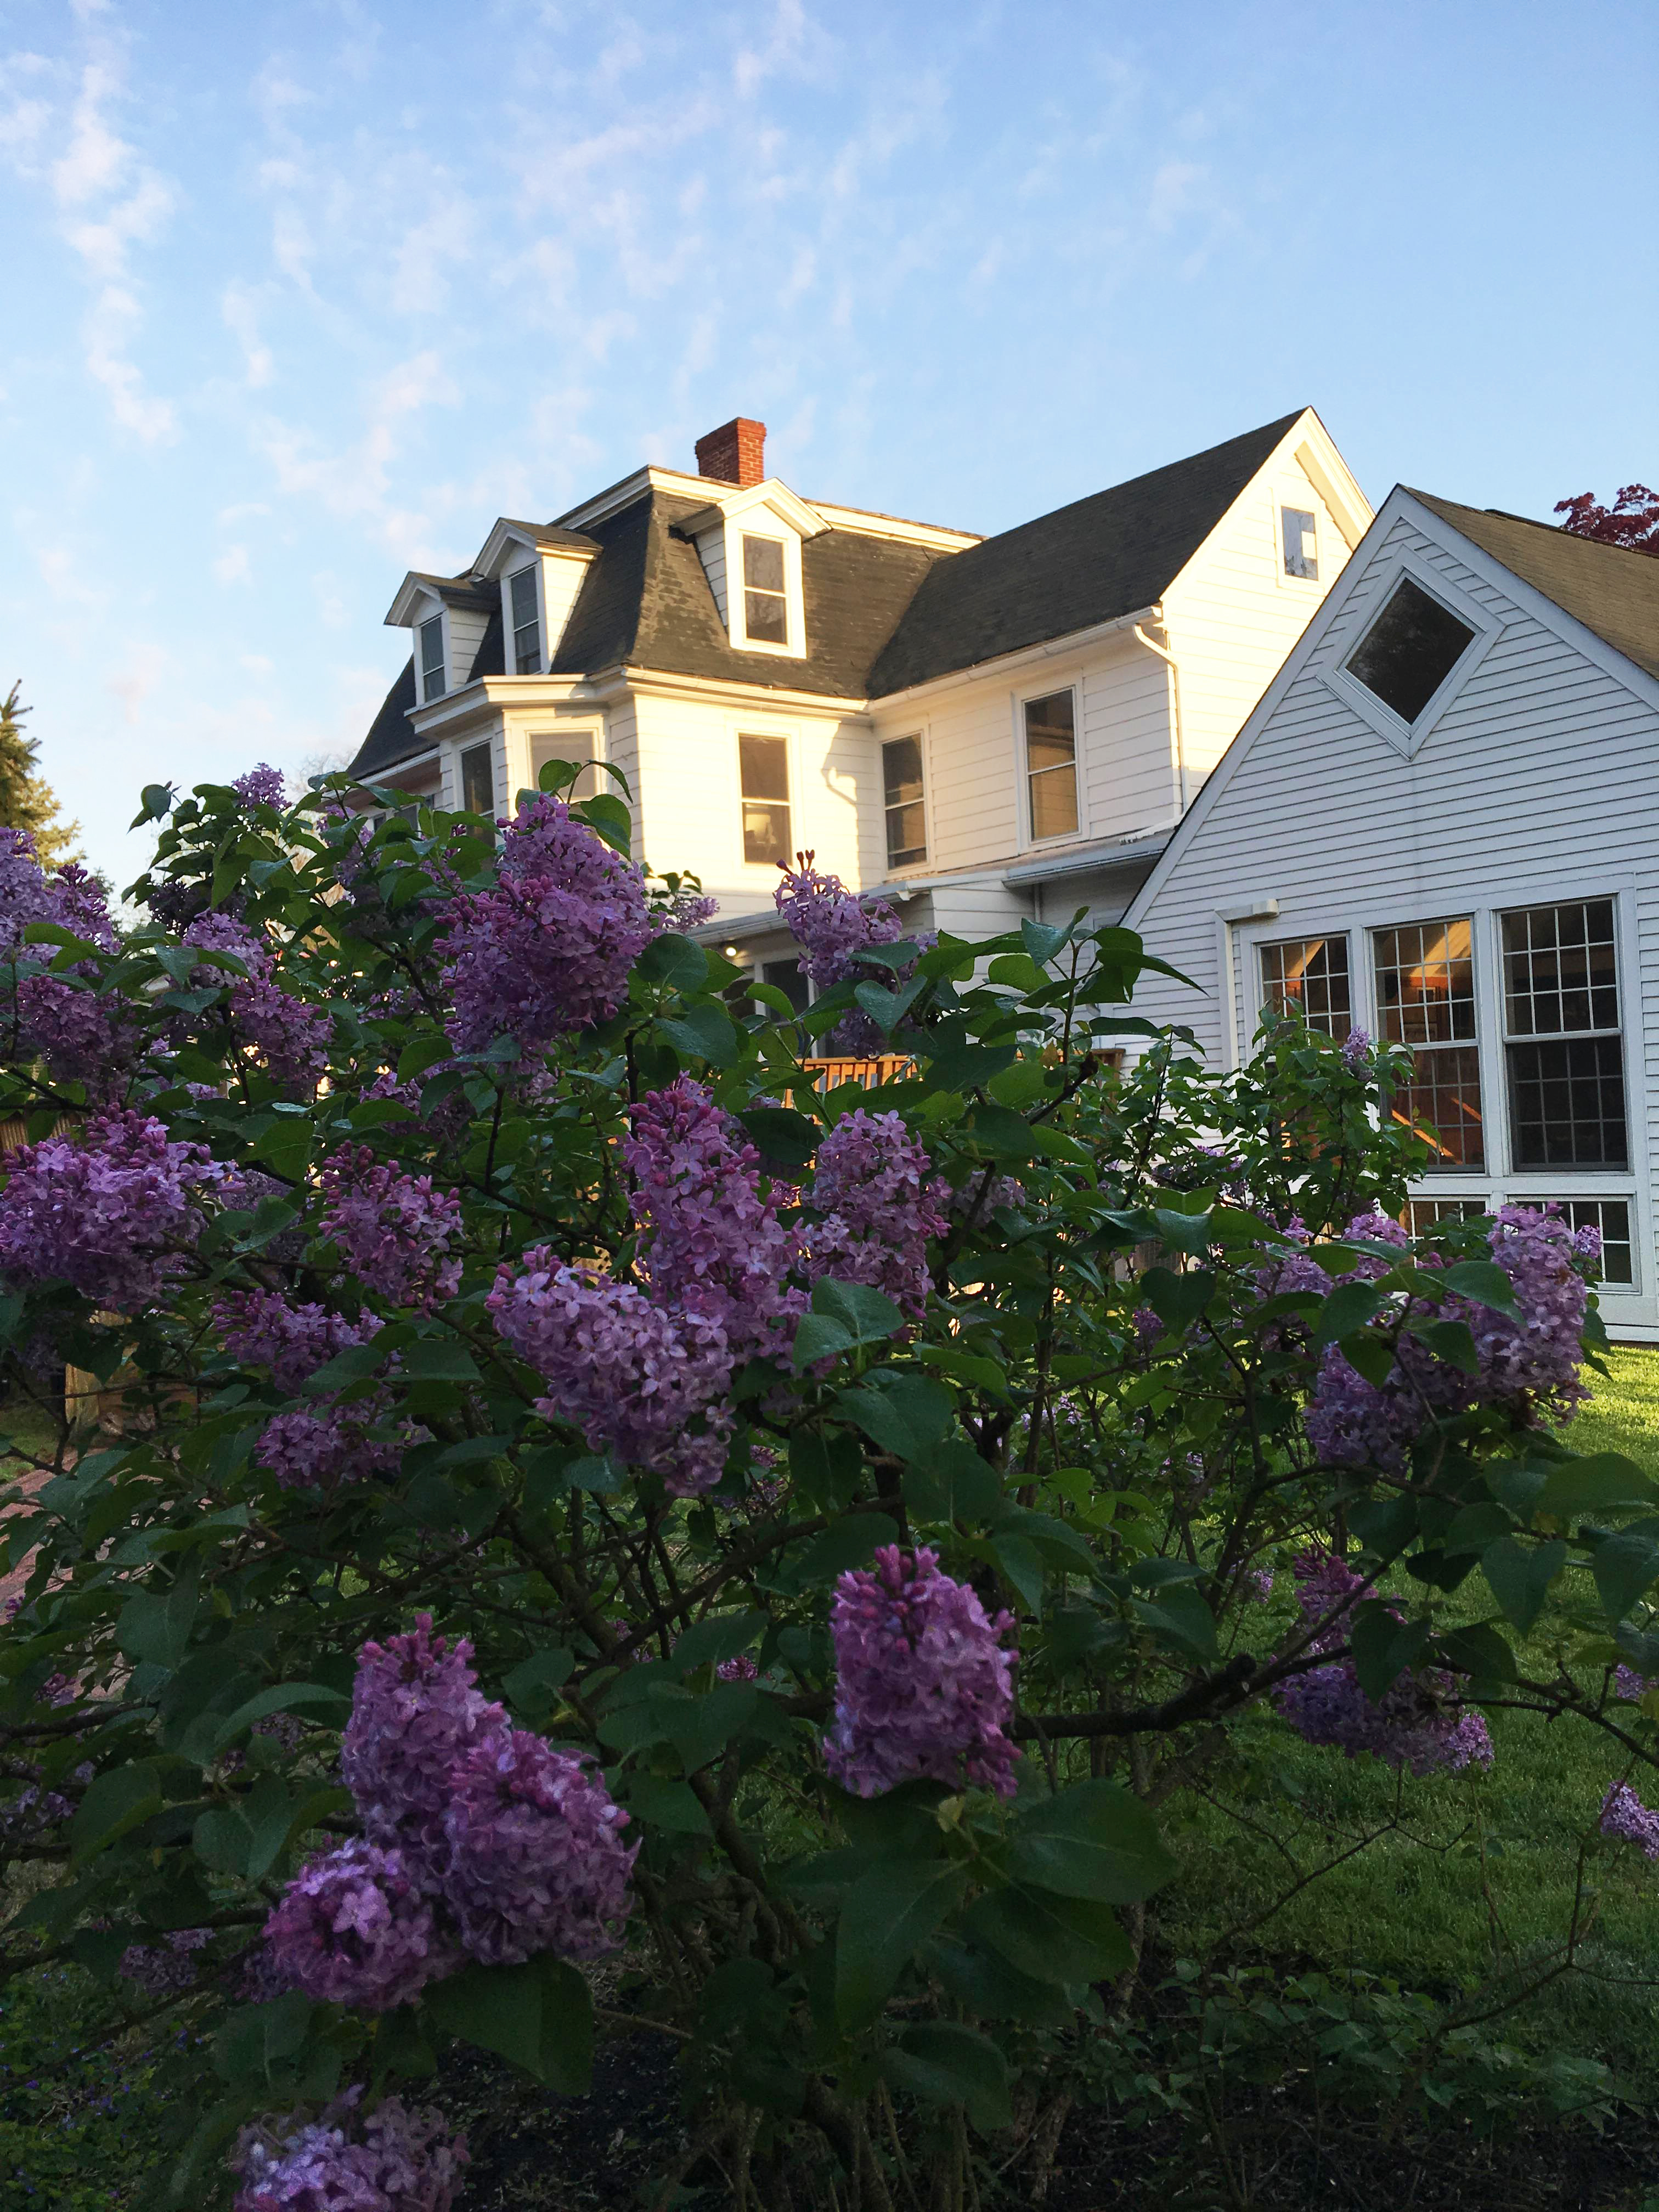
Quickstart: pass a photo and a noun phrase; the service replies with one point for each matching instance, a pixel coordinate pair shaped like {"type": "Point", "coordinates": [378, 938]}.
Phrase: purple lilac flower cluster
{"type": "Point", "coordinates": [1628, 1820]}
{"type": "Point", "coordinates": [923, 1684]}
{"type": "Point", "coordinates": [629, 1373]}
{"type": "Point", "coordinates": [398, 1231]}
{"type": "Point", "coordinates": [307, 1447]}
{"type": "Point", "coordinates": [876, 1206]}
{"type": "Point", "coordinates": [1356, 1049]}
{"type": "Point", "coordinates": [167, 1968]}
{"type": "Point", "coordinates": [548, 951]}
{"type": "Point", "coordinates": [712, 1242]}
{"type": "Point", "coordinates": [83, 1036]}
{"type": "Point", "coordinates": [263, 785]}
{"type": "Point", "coordinates": [391, 2159]}
{"type": "Point", "coordinates": [108, 1210]}
{"type": "Point", "coordinates": [689, 909]}
{"type": "Point", "coordinates": [1527, 1363]}
{"type": "Point", "coordinates": [832, 929]}
{"type": "Point", "coordinates": [482, 1840]}
{"type": "Point", "coordinates": [290, 1037]}
{"type": "Point", "coordinates": [1417, 1723]}
{"type": "Point", "coordinates": [1630, 1686]}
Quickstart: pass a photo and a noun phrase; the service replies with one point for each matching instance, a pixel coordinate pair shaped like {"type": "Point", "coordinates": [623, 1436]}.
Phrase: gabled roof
{"type": "Point", "coordinates": [1089, 562]}
{"type": "Point", "coordinates": [1612, 589]}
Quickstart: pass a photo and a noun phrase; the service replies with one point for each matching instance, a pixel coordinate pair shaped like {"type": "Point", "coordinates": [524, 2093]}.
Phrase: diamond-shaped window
{"type": "Point", "coordinates": [1410, 650]}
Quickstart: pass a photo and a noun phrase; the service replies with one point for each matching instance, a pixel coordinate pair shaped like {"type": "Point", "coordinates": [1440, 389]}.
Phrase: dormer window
{"type": "Point", "coordinates": [527, 623]}
{"type": "Point", "coordinates": [431, 634]}
{"type": "Point", "coordinates": [765, 598]}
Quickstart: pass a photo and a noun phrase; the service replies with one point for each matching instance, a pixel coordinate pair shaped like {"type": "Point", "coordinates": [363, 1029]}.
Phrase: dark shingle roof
{"type": "Point", "coordinates": [390, 737]}
{"type": "Point", "coordinates": [1101, 557]}
{"type": "Point", "coordinates": [1612, 589]}
{"type": "Point", "coordinates": [459, 590]}
{"type": "Point", "coordinates": [551, 533]}
{"type": "Point", "coordinates": [882, 613]}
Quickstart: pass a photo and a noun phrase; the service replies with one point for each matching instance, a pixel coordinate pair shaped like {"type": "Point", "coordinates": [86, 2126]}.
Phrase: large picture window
{"type": "Point", "coordinates": [1309, 975]}
{"type": "Point", "coordinates": [1051, 763]}
{"type": "Point", "coordinates": [763, 767]}
{"type": "Point", "coordinates": [1425, 998]}
{"type": "Point", "coordinates": [901, 788]}
{"type": "Point", "coordinates": [1562, 1047]}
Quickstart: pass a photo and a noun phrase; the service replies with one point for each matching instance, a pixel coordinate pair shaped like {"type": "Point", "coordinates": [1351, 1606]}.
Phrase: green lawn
{"type": "Point", "coordinates": [1480, 1870]}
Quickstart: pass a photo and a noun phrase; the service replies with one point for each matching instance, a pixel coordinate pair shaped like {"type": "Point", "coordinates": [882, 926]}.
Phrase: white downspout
{"type": "Point", "coordinates": [1174, 667]}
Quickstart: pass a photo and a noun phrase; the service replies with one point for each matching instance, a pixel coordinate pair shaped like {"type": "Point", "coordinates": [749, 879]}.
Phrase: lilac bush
{"type": "Point", "coordinates": [847, 1509]}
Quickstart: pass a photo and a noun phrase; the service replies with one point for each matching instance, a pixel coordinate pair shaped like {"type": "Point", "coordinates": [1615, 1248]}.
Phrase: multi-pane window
{"type": "Point", "coordinates": [527, 623]}
{"type": "Point", "coordinates": [432, 659]}
{"type": "Point", "coordinates": [1310, 976]}
{"type": "Point", "coordinates": [1051, 763]}
{"type": "Point", "coordinates": [1301, 543]}
{"type": "Point", "coordinates": [789, 977]}
{"type": "Point", "coordinates": [569, 745]}
{"type": "Point", "coordinates": [1425, 998]}
{"type": "Point", "coordinates": [900, 786]}
{"type": "Point", "coordinates": [478, 780]}
{"type": "Point", "coordinates": [1562, 1047]}
{"type": "Point", "coordinates": [1410, 650]}
{"type": "Point", "coordinates": [1425, 1214]}
{"type": "Point", "coordinates": [1612, 1217]}
{"type": "Point", "coordinates": [764, 767]}
{"type": "Point", "coordinates": [765, 599]}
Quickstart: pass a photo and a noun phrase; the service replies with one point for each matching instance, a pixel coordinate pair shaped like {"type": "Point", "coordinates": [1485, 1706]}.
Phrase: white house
{"type": "Point", "coordinates": [1441, 823]}
{"type": "Point", "coordinates": [977, 728]}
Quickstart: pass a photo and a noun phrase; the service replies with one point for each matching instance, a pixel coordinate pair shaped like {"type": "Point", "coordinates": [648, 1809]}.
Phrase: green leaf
{"type": "Point", "coordinates": [952, 1482]}
{"type": "Point", "coordinates": [1097, 1840]}
{"type": "Point", "coordinates": [781, 1137]}
{"type": "Point", "coordinates": [606, 814]}
{"type": "Point", "coordinates": [1179, 1616]}
{"type": "Point", "coordinates": [1624, 1566]}
{"type": "Point", "coordinates": [158, 1628]}
{"type": "Point", "coordinates": [1348, 1308]}
{"type": "Point", "coordinates": [539, 2016]}
{"type": "Point", "coordinates": [114, 1802]}
{"type": "Point", "coordinates": [222, 1840]}
{"type": "Point", "coordinates": [944, 2063]}
{"type": "Point", "coordinates": [284, 1699]}
{"type": "Point", "coordinates": [718, 1636]}
{"type": "Point", "coordinates": [1452, 1341]}
{"type": "Point", "coordinates": [1519, 1576]}
{"type": "Point", "coordinates": [850, 1543]}
{"type": "Point", "coordinates": [1053, 1939]}
{"type": "Point", "coordinates": [442, 1360]}
{"type": "Point", "coordinates": [1020, 1564]}
{"type": "Point", "coordinates": [999, 1132]}
{"type": "Point", "coordinates": [1480, 1651]}
{"type": "Point", "coordinates": [354, 1364]}
{"type": "Point", "coordinates": [1483, 1280]}
{"type": "Point", "coordinates": [674, 962]}
{"type": "Point", "coordinates": [663, 1803]}
{"type": "Point", "coordinates": [1383, 1647]}
{"type": "Point", "coordinates": [885, 1915]}
{"type": "Point", "coordinates": [1177, 1299]}
{"type": "Point", "coordinates": [703, 1033]}
{"type": "Point", "coordinates": [906, 1414]}
{"type": "Point", "coordinates": [843, 1315]}
{"type": "Point", "coordinates": [531, 1685]}
{"type": "Point", "coordinates": [1598, 1484]}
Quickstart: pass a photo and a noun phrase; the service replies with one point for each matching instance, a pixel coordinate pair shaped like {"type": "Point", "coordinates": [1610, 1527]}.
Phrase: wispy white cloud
{"type": "Point", "coordinates": [143, 664]}
{"type": "Point", "coordinates": [233, 566]}
{"type": "Point", "coordinates": [241, 318]}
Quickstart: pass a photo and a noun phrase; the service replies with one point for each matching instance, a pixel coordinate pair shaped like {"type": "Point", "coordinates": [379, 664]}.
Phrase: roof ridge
{"type": "Point", "coordinates": [1557, 530]}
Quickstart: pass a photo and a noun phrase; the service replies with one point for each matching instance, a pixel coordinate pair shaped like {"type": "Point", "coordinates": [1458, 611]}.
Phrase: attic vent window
{"type": "Point", "coordinates": [1299, 535]}
{"type": "Point", "coordinates": [1410, 650]}
{"type": "Point", "coordinates": [765, 600]}
{"type": "Point", "coordinates": [432, 659]}
{"type": "Point", "coordinates": [527, 623]}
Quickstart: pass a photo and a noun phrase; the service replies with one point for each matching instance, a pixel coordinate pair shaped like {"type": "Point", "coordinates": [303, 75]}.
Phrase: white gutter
{"type": "Point", "coordinates": [1087, 861]}
{"type": "Point", "coordinates": [1174, 667]}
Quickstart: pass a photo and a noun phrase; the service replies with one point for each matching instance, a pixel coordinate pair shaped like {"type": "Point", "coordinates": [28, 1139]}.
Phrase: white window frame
{"type": "Point", "coordinates": [1499, 1183]}
{"type": "Point", "coordinates": [1028, 837]}
{"type": "Point", "coordinates": [1303, 501]}
{"type": "Point", "coordinates": [531, 568]}
{"type": "Point", "coordinates": [737, 529]}
{"type": "Point", "coordinates": [756, 725]}
{"type": "Point", "coordinates": [580, 741]}
{"type": "Point", "coordinates": [431, 699]}
{"type": "Point", "coordinates": [1408, 738]}
{"type": "Point", "coordinates": [920, 733]}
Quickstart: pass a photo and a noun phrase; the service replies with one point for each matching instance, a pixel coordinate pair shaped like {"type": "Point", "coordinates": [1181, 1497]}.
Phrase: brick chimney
{"type": "Point", "coordinates": [736, 453]}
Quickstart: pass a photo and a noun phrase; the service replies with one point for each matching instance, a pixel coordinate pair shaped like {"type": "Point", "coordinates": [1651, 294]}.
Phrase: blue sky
{"type": "Point", "coordinates": [301, 295]}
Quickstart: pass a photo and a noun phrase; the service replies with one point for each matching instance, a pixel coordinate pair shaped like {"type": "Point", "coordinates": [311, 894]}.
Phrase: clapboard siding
{"type": "Point", "coordinates": [1232, 616]}
{"type": "Point", "coordinates": [690, 793]}
{"type": "Point", "coordinates": [1539, 782]}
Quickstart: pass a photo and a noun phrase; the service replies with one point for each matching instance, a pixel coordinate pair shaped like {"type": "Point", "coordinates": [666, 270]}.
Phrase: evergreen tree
{"type": "Point", "coordinates": [26, 800]}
